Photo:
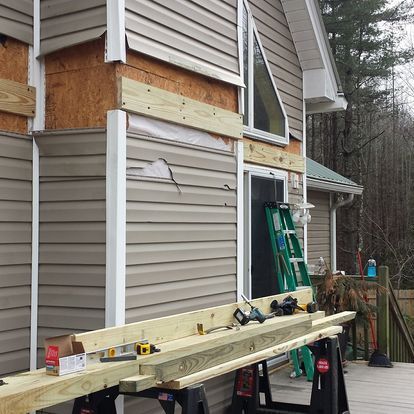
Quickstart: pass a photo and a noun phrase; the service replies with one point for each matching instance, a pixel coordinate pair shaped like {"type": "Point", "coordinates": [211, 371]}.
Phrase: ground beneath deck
{"type": "Point", "coordinates": [370, 390]}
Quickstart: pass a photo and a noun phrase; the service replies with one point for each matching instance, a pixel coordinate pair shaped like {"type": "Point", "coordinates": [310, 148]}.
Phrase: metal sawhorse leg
{"type": "Point", "coordinates": [192, 400]}
{"type": "Point", "coordinates": [328, 388]}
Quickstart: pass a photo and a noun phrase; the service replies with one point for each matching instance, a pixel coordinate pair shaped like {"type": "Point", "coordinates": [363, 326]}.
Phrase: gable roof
{"type": "Point", "coordinates": [322, 86]}
{"type": "Point", "coordinates": [322, 178]}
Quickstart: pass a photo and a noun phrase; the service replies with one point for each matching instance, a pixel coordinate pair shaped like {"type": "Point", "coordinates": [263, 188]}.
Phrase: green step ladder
{"type": "Point", "coordinates": [291, 270]}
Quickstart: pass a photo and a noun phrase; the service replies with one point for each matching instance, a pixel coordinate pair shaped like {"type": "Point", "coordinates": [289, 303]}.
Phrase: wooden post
{"type": "Point", "coordinates": [383, 314]}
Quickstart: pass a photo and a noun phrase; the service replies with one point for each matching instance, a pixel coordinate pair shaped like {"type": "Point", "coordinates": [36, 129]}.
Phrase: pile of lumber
{"type": "Point", "coordinates": [186, 357]}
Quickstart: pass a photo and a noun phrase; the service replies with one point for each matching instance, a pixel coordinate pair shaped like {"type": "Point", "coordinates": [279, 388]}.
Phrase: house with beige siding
{"type": "Point", "coordinates": [138, 142]}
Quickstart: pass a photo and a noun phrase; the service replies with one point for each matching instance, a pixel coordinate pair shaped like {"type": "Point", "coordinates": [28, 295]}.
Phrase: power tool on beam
{"type": "Point", "coordinates": [290, 305]}
{"type": "Point", "coordinates": [255, 314]}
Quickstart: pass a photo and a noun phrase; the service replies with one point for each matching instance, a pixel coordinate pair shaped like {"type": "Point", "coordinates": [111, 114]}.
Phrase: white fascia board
{"type": "Point", "coordinates": [115, 219]}
{"type": "Point", "coordinates": [340, 104]}
{"type": "Point", "coordinates": [330, 186]}
{"type": "Point", "coordinates": [115, 31]}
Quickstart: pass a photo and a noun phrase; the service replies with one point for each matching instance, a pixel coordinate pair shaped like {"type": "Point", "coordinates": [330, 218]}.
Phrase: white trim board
{"type": "Point", "coordinates": [115, 219]}
{"type": "Point", "coordinates": [115, 34]}
{"type": "Point", "coordinates": [35, 258]}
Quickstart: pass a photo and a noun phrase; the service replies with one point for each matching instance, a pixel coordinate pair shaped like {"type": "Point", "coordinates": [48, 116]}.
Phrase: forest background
{"type": "Point", "coordinates": [372, 142]}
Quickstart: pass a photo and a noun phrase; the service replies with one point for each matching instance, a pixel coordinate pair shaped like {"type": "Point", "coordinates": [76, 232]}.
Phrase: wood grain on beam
{"type": "Point", "coordinates": [266, 154]}
{"type": "Point", "coordinates": [230, 366]}
{"type": "Point", "coordinates": [176, 326]}
{"type": "Point", "coordinates": [17, 98]}
{"type": "Point", "coordinates": [236, 344]}
{"type": "Point", "coordinates": [144, 99]}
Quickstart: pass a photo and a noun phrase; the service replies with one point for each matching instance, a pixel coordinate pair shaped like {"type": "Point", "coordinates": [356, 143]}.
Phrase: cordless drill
{"type": "Point", "coordinates": [255, 314]}
{"type": "Point", "coordinates": [289, 305]}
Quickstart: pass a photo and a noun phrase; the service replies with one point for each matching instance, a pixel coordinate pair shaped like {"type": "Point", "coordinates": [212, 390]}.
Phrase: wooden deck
{"type": "Point", "coordinates": [370, 390]}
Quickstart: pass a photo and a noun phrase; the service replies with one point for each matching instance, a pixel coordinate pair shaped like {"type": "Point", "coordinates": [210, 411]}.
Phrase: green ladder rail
{"type": "Point", "coordinates": [289, 265]}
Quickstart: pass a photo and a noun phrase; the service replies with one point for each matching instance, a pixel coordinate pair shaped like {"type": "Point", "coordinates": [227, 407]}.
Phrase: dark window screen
{"type": "Point", "coordinates": [263, 280]}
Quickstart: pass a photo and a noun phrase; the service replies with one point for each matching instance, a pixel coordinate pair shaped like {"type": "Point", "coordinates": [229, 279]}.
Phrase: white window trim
{"type": "Point", "coordinates": [253, 170]}
{"type": "Point", "coordinates": [249, 130]}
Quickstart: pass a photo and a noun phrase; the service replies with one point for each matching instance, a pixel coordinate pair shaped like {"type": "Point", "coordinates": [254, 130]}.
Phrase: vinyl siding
{"type": "Point", "coordinates": [319, 239]}
{"type": "Point", "coordinates": [15, 251]}
{"type": "Point", "coordinates": [69, 22]}
{"type": "Point", "coordinates": [16, 19]}
{"type": "Point", "coordinates": [181, 247]}
{"type": "Point", "coordinates": [72, 232]}
{"type": "Point", "coordinates": [283, 59]}
{"type": "Point", "coordinates": [198, 35]}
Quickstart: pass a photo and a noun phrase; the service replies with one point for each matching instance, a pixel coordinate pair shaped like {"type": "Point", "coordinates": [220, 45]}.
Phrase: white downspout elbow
{"type": "Point", "coordinates": [334, 207]}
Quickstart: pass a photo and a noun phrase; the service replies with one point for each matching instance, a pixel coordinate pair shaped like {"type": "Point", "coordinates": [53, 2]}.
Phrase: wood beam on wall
{"type": "Point", "coordinates": [262, 153]}
{"type": "Point", "coordinates": [144, 99]}
{"type": "Point", "coordinates": [17, 98]}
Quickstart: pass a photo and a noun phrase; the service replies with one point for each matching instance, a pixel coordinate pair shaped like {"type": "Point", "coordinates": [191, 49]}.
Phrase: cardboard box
{"type": "Point", "coordinates": [64, 356]}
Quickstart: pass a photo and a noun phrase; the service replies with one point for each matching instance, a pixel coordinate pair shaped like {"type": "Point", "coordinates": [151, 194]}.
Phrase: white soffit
{"type": "Point", "coordinates": [321, 81]}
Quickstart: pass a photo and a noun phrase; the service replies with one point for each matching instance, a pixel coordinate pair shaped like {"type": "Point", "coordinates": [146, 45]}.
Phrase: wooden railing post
{"type": "Point", "coordinates": [383, 313]}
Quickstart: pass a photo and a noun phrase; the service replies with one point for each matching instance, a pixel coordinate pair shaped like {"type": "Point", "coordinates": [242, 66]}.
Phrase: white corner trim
{"type": "Point", "coordinates": [35, 257]}
{"type": "Point", "coordinates": [240, 218]}
{"type": "Point", "coordinates": [115, 35]}
{"type": "Point", "coordinates": [37, 73]}
{"type": "Point", "coordinates": [115, 219]}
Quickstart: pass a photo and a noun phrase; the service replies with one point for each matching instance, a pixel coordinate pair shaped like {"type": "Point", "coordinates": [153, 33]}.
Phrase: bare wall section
{"type": "Point", "coordinates": [15, 251]}
{"type": "Point", "coordinates": [72, 232]}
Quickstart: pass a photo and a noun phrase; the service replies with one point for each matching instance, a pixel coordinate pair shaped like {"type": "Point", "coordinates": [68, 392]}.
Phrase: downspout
{"type": "Point", "coordinates": [334, 207]}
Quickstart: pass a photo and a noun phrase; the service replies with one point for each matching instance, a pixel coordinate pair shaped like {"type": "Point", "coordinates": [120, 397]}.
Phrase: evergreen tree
{"type": "Point", "coordinates": [365, 37]}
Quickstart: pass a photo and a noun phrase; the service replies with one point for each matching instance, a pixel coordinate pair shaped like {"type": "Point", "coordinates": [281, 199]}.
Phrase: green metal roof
{"type": "Point", "coordinates": [319, 176]}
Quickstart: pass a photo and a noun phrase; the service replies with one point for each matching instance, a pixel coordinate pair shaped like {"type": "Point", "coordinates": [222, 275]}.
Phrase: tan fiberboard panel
{"type": "Point", "coordinates": [140, 98]}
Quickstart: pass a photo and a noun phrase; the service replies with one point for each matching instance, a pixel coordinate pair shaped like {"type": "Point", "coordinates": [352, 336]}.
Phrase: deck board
{"type": "Point", "coordinates": [370, 390]}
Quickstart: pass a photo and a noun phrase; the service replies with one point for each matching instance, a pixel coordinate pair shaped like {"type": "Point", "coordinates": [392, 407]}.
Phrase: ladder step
{"type": "Point", "coordinates": [296, 260]}
{"type": "Point", "coordinates": [289, 231]}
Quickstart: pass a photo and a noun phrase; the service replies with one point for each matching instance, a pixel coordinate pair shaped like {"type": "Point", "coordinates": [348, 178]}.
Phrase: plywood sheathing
{"type": "Point", "coordinates": [80, 87]}
{"type": "Point", "coordinates": [183, 82]}
{"type": "Point", "coordinates": [14, 58]}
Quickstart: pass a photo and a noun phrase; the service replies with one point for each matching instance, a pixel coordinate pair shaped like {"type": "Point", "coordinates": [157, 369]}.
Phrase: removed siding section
{"type": "Point", "coordinates": [15, 251]}
{"type": "Point", "coordinates": [72, 232]}
{"type": "Point", "coordinates": [319, 238]}
{"type": "Point", "coordinates": [197, 35]}
{"type": "Point", "coordinates": [283, 59]}
{"type": "Point", "coordinates": [69, 22]}
{"type": "Point", "coordinates": [181, 238]}
{"type": "Point", "coordinates": [16, 19]}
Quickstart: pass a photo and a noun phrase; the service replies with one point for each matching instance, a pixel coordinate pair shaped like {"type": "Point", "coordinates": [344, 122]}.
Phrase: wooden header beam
{"type": "Point", "coordinates": [269, 155]}
{"type": "Point", "coordinates": [144, 99]}
{"type": "Point", "coordinates": [17, 98]}
{"type": "Point", "coordinates": [177, 326]}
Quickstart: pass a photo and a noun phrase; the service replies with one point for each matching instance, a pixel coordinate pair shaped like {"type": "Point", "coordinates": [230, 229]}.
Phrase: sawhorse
{"type": "Point", "coordinates": [328, 388]}
{"type": "Point", "coordinates": [192, 400]}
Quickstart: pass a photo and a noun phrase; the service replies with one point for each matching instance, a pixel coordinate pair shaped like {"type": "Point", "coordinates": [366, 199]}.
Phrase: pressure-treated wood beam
{"type": "Point", "coordinates": [176, 326]}
{"type": "Point", "coordinates": [132, 384]}
{"type": "Point", "coordinates": [144, 99]}
{"type": "Point", "coordinates": [266, 154]}
{"type": "Point", "coordinates": [17, 98]}
{"type": "Point", "coordinates": [214, 350]}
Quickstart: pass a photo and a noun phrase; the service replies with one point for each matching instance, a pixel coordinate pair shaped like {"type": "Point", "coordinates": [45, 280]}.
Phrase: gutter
{"type": "Point", "coordinates": [333, 209]}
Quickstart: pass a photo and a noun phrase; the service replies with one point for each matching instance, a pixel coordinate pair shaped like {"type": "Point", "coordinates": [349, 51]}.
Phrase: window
{"type": "Point", "coordinates": [261, 185]}
{"type": "Point", "coordinates": [264, 116]}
